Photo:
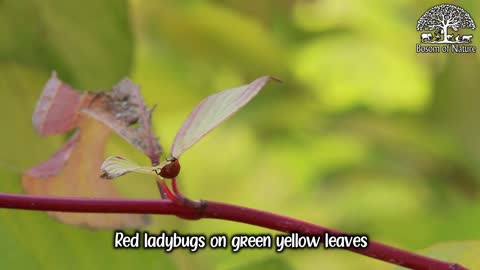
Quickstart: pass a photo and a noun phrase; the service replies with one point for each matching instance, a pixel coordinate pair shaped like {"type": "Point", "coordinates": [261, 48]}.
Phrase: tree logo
{"type": "Point", "coordinates": [439, 25]}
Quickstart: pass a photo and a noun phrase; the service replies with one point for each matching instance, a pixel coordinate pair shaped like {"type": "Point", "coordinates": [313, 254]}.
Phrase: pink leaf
{"type": "Point", "coordinates": [212, 111]}
{"type": "Point", "coordinates": [58, 107]}
{"type": "Point", "coordinates": [74, 170]}
{"type": "Point", "coordinates": [55, 163]}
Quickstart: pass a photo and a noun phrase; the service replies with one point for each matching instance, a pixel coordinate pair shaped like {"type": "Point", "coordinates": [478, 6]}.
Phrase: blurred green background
{"type": "Point", "coordinates": [364, 135]}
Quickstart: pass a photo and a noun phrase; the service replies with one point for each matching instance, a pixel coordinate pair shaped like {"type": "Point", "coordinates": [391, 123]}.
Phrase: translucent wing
{"type": "Point", "coordinates": [116, 166]}
{"type": "Point", "coordinates": [212, 111]}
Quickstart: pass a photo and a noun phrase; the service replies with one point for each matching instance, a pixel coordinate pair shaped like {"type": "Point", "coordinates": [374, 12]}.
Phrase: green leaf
{"type": "Point", "coordinates": [337, 71]}
{"type": "Point", "coordinates": [464, 253]}
{"type": "Point", "coordinates": [271, 263]}
{"type": "Point", "coordinates": [88, 41]}
{"type": "Point", "coordinates": [19, 86]}
{"type": "Point", "coordinates": [212, 33]}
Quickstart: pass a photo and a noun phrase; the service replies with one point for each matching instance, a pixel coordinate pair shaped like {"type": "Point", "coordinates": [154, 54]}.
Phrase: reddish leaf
{"type": "Point", "coordinates": [74, 172]}
{"type": "Point", "coordinates": [54, 164]}
{"type": "Point", "coordinates": [75, 169]}
{"type": "Point", "coordinates": [212, 111]}
{"type": "Point", "coordinates": [58, 107]}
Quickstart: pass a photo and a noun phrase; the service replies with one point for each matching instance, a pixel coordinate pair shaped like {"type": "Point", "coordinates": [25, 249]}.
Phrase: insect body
{"type": "Point", "coordinates": [170, 170]}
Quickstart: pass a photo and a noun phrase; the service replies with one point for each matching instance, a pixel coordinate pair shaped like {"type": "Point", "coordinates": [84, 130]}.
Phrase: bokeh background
{"type": "Point", "coordinates": [364, 135]}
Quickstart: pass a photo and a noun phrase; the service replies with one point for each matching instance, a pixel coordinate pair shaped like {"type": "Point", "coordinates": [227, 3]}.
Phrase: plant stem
{"type": "Point", "coordinates": [215, 210]}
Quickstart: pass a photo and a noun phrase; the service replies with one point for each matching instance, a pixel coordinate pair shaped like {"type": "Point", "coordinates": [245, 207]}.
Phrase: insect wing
{"type": "Point", "coordinates": [212, 111]}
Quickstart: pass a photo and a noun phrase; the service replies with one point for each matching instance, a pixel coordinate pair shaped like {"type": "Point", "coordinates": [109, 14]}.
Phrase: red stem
{"type": "Point", "coordinates": [167, 190]}
{"type": "Point", "coordinates": [215, 210]}
{"type": "Point", "coordinates": [175, 187]}
{"type": "Point", "coordinates": [163, 193]}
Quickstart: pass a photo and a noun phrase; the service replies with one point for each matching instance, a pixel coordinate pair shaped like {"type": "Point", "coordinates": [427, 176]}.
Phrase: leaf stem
{"type": "Point", "coordinates": [163, 193]}
{"type": "Point", "coordinates": [167, 190]}
{"type": "Point", "coordinates": [216, 210]}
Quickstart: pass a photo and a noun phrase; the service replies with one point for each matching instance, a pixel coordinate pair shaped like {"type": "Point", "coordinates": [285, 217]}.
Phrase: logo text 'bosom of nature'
{"type": "Point", "coordinates": [439, 26]}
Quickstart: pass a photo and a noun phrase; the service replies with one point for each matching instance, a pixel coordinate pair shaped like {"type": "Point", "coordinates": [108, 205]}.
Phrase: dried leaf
{"type": "Point", "coordinates": [74, 170]}
{"type": "Point", "coordinates": [119, 110]}
{"type": "Point", "coordinates": [212, 111]}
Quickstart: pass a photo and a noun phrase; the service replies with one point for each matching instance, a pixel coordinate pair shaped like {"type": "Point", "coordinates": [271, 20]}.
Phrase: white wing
{"type": "Point", "coordinates": [212, 111]}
